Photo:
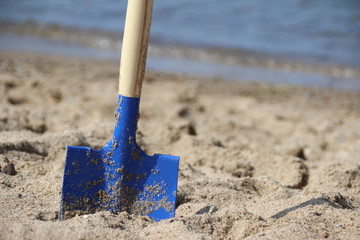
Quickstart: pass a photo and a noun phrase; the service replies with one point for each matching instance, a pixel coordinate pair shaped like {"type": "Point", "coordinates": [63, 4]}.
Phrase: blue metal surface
{"type": "Point", "coordinates": [120, 176]}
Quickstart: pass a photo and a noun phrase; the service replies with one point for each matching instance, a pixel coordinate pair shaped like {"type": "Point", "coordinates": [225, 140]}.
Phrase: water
{"type": "Point", "coordinates": [305, 37]}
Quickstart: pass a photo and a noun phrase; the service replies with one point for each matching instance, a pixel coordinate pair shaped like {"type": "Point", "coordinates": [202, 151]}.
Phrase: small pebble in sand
{"type": "Point", "coordinates": [9, 169]}
{"type": "Point", "coordinates": [208, 209]}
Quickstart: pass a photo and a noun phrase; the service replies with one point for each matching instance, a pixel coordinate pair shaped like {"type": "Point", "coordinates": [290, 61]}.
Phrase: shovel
{"type": "Point", "coordinates": [120, 176]}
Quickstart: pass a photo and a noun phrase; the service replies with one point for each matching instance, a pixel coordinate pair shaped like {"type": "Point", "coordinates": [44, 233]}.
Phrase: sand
{"type": "Point", "coordinates": [257, 161]}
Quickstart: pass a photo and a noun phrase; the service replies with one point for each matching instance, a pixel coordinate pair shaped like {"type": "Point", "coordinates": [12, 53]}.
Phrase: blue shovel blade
{"type": "Point", "coordinates": [120, 176]}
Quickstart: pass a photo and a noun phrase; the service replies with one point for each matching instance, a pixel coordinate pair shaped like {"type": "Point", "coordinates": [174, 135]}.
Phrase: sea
{"type": "Point", "coordinates": [299, 42]}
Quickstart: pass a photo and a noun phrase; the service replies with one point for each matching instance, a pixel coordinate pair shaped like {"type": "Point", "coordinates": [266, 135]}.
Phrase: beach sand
{"type": "Point", "coordinates": [257, 161]}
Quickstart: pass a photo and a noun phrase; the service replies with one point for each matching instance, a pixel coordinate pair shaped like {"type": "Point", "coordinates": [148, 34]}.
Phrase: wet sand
{"type": "Point", "coordinates": [257, 161]}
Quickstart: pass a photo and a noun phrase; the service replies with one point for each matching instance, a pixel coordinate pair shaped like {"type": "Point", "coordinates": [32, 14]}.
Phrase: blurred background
{"type": "Point", "coordinates": [301, 42]}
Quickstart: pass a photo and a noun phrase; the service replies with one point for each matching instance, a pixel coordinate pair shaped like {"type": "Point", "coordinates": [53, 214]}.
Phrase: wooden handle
{"type": "Point", "coordinates": [134, 47]}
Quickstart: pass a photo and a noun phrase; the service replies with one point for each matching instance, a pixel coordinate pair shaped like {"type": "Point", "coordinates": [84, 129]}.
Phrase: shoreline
{"type": "Point", "coordinates": [257, 160]}
{"type": "Point", "coordinates": [184, 66]}
{"type": "Point", "coordinates": [107, 44]}
{"type": "Point", "coordinates": [319, 93]}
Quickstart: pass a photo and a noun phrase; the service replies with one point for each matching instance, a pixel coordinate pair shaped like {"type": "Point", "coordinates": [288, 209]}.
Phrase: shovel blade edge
{"type": "Point", "coordinates": [157, 195]}
{"type": "Point", "coordinates": [83, 182]}
{"type": "Point", "coordinates": [145, 186]}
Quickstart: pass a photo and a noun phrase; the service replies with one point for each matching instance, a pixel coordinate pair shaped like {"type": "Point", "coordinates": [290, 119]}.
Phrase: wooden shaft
{"type": "Point", "coordinates": [134, 47]}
